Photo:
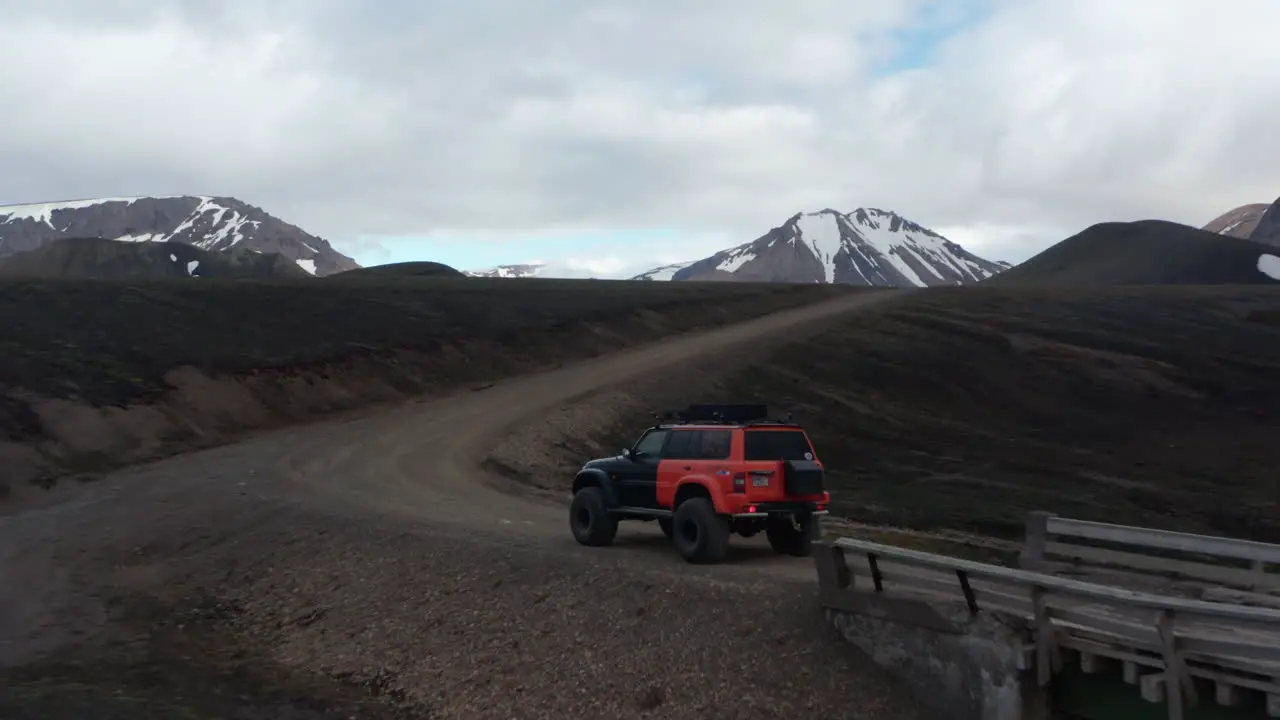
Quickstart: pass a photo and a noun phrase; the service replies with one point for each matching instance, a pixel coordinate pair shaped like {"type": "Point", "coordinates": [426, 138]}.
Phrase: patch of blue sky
{"type": "Point", "coordinates": [916, 45]}
{"type": "Point", "coordinates": [471, 253]}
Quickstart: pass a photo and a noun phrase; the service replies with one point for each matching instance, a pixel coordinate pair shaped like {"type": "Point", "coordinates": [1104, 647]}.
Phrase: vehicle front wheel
{"type": "Point", "coordinates": [790, 538]}
{"type": "Point", "coordinates": [700, 535]}
{"type": "Point", "coordinates": [590, 520]}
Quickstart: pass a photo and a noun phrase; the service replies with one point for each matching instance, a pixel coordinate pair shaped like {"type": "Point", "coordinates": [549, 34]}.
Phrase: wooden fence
{"type": "Point", "coordinates": [1057, 544]}
{"type": "Point", "coordinates": [1161, 642]}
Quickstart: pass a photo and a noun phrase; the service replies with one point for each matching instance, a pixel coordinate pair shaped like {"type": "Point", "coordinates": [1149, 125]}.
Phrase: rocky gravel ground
{"type": "Point", "coordinates": [284, 612]}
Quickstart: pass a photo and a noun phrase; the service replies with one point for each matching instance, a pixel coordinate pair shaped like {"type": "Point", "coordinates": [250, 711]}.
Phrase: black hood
{"type": "Point", "coordinates": [605, 462]}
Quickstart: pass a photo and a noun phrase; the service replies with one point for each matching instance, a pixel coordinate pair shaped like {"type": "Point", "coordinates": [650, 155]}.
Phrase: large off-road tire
{"type": "Point", "coordinates": [590, 520]}
{"type": "Point", "coordinates": [788, 538]}
{"type": "Point", "coordinates": [699, 534]}
{"type": "Point", "coordinates": [665, 524]}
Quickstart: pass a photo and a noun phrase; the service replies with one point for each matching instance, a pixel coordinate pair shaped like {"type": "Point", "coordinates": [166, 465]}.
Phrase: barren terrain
{"type": "Point", "coordinates": [363, 567]}
{"type": "Point", "coordinates": [414, 560]}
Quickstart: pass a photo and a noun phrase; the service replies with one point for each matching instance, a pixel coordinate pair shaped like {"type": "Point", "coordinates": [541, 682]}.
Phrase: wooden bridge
{"type": "Point", "coordinates": [1099, 621]}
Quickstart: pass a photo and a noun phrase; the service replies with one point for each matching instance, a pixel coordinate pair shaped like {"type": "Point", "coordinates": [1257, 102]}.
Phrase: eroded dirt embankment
{"type": "Point", "coordinates": [48, 434]}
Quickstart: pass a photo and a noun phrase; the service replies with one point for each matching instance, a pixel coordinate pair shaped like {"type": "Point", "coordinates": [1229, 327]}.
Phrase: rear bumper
{"type": "Point", "coordinates": [765, 509]}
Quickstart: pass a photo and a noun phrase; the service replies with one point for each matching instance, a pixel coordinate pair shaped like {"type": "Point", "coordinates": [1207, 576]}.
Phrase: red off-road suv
{"type": "Point", "coordinates": [712, 471]}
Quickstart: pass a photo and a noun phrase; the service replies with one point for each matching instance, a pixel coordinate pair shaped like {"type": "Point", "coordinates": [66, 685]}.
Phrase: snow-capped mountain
{"type": "Point", "coordinates": [865, 247]}
{"type": "Point", "coordinates": [523, 270]}
{"type": "Point", "coordinates": [665, 272]}
{"type": "Point", "coordinates": [208, 223]}
{"type": "Point", "coordinates": [566, 270]}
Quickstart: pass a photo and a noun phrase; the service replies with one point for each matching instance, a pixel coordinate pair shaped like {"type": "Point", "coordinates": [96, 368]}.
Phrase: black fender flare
{"type": "Point", "coordinates": [601, 479]}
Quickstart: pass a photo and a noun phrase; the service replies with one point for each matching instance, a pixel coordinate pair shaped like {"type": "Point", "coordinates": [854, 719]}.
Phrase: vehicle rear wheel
{"type": "Point", "coordinates": [788, 537]}
{"type": "Point", "coordinates": [665, 524]}
{"type": "Point", "coordinates": [590, 520]}
{"type": "Point", "coordinates": [700, 535]}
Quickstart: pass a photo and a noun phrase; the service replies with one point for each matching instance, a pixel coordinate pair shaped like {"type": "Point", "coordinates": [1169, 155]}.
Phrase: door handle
{"type": "Point", "coordinates": [686, 467]}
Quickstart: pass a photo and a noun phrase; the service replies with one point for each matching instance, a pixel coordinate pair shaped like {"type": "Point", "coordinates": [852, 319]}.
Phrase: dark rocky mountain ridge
{"type": "Point", "coordinates": [103, 259]}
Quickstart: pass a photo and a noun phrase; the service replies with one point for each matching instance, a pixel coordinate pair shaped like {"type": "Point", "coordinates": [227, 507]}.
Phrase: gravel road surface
{"type": "Point", "coordinates": [366, 567]}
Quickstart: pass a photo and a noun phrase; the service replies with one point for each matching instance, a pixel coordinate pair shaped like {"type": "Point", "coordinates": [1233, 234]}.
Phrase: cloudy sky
{"type": "Point", "coordinates": [612, 135]}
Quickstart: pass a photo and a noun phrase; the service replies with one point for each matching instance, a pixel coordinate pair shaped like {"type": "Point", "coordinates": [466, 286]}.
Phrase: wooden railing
{"type": "Point", "coordinates": [1236, 647]}
{"type": "Point", "coordinates": [1054, 544]}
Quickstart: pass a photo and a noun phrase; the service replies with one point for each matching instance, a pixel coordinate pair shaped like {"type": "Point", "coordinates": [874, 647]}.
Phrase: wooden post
{"type": "Point", "coordinates": [1092, 663]}
{"type": "Point", "coordinates": [844, 576]}
{"type": "Point", "coordinates": [970, 599]}
{"type": "Point", "coordinates": [1226, 694]}
{"type": "Point", "coordinates": [1048, 655]}
{"type": "Point", "coordinates": [1153, 689]}
{"type": "Point", "coordinates": [1178, 683]}
{"type": "Point", "coordinates": [1037, 535]}
{"type": "Point", "coordinates": [877, 579]}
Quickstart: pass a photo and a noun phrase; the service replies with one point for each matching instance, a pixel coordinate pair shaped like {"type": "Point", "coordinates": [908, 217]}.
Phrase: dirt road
{"type": "Point", "coordinates": [300, 572]}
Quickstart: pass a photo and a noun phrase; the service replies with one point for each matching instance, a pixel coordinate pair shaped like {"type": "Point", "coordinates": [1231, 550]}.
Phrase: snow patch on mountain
{"type": "Point", "coordinates": [735, 259]}
{"type": "Point", "coordinates": [821, 233]}
{"type": "Point", "coordinates": [1269, 265]}
{"type": "Point", "coordinates": [43, 212]}
{"type": "Point", "coordinates": [224, 227]}
{"type": "Point", "coordinates": [1230, 227]}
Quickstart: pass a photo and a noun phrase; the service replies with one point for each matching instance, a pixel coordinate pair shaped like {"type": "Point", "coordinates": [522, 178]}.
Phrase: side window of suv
{"type": "Point", "coordinates": [651, 443]}
{"type": "Point", "coordinates": [714, 445]}
{"type": "Point", "coordinates": [683, 445]}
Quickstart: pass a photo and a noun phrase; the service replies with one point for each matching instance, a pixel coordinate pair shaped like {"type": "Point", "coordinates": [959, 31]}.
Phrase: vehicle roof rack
{"type": "Point", "coordinates": [723, 415]}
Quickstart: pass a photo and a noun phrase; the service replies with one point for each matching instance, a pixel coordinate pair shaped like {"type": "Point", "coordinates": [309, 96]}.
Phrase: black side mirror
{"type": "Point", "coordinates": [626, 453]}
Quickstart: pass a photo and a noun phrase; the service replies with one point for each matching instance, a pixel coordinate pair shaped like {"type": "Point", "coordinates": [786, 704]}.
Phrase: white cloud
{"type": "Point", "coordinates": [725, 118]}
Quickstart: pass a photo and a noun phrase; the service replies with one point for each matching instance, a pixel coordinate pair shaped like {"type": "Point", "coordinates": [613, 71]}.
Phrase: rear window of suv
{"type": "Point", "coordinates": [762, 445]}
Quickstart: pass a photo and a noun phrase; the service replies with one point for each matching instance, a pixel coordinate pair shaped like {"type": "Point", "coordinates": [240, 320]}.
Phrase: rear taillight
{"type": "Point", "coordinates": [740, 482]}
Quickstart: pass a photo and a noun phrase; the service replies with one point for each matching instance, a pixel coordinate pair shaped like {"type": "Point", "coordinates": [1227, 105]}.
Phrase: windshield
{"type": "Point", "coordinates": [651, 443]}
{"type": "Point", "coordinates": [777, 445]}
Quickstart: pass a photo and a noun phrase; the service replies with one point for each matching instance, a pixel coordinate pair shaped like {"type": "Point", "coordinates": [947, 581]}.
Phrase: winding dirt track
{"type": "Point", "coordinates": [423, 460]}
{"type": "Point", "coordinates": [381, 509]}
